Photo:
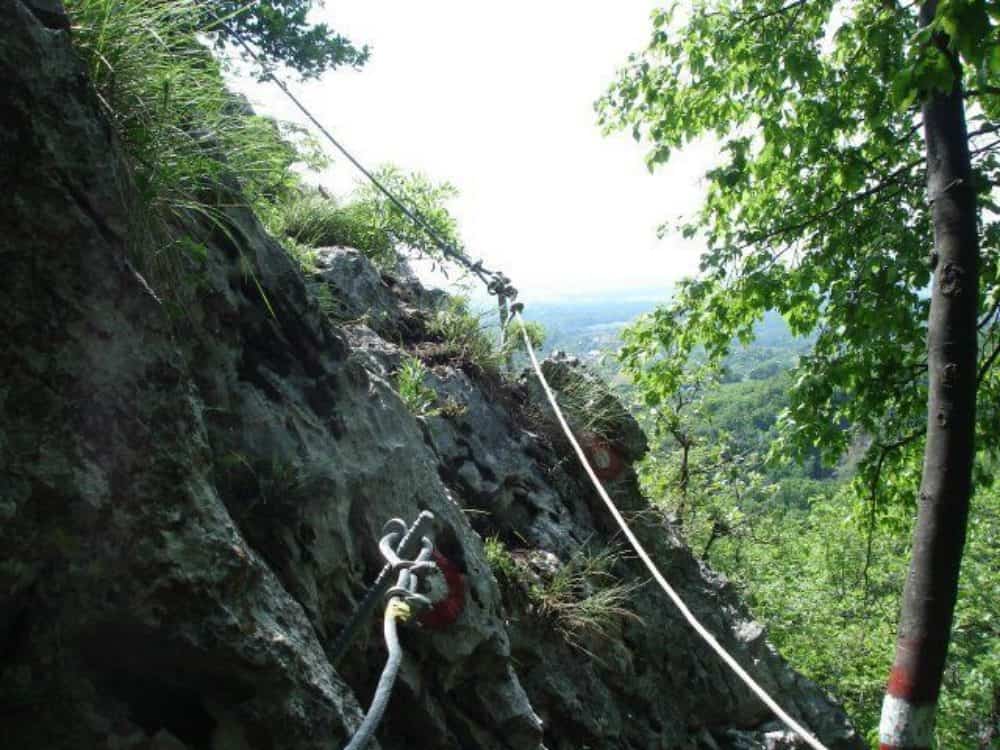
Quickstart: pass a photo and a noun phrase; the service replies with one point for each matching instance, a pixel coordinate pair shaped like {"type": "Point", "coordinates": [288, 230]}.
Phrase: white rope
{"type": "Point", "coordinates": [644, 556]}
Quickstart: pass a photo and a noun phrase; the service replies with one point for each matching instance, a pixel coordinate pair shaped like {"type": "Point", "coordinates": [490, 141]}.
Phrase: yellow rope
{"type": "Point", "coordinates": [398, 609]}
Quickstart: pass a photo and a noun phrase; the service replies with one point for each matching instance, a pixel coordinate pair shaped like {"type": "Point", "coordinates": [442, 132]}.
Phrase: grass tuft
{"type": "Point", "coordinates": [581, 598]}
{"type": "Point", "coordinates": [419, 398]}
{"type": "Point", "coordinates": [463, 334]}
{"type": "Point", "coordinates": [311, 218]}
{"type": "Point", "coordinates": [185, 134]}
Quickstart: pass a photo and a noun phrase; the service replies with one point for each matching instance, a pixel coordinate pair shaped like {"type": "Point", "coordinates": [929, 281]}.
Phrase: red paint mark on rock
{"type": "Point", "coordinates": [445, 612]}
{"type": "Point", "coordinates": [607, 461]}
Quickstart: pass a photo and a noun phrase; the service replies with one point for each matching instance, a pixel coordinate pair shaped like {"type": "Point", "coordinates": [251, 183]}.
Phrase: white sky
{"type": "Point", "coordinates": [497, 98]}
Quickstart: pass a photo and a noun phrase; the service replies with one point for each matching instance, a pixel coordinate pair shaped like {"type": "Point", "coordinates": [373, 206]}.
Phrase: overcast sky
{"type": "Point", "coordinates": [498, 99]}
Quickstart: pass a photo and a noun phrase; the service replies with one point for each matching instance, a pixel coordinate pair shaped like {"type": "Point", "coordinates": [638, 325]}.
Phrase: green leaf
{"type": "Point", "coordinates": [904, 90]}
{"type": "Point", "coordinates": [196, 250]}
{"type": "Point", "coordinates": [994, 60]}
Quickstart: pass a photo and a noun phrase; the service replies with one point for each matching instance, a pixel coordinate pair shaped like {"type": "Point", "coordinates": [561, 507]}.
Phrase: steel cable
{"type": "Point", "coordinates": [396, 608]}
{"type": "Point", "coordinates": [475, 267]}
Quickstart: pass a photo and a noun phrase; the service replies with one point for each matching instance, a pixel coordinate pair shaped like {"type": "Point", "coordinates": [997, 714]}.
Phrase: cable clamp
{"type": "Point", "coordinates": [498, 285]}
{"type": "Point", "coordinates": [408, 571]}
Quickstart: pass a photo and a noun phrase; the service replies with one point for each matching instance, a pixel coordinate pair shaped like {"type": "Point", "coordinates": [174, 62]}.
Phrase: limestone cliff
{"type": "Point", "coordinates": [190, 499]}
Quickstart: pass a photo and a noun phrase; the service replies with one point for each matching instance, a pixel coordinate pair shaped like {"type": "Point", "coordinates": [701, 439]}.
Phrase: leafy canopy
{"type": "Point", "coordinates": [817, 208]}
{"type": "Point", "coordinates": [831, 602]}
{"type": "Point", "coordinates": [429, 199]}
{"type": "Point", "coordinates": [281, 33]}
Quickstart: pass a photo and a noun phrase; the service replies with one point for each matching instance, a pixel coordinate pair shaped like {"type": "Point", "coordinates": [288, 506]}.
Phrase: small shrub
{"type": "Point", "coordinates": [313, 219]}
{"type": "Point", "coordinates": [421, 195]}
{"type": "Point", "coordinates": [368, 221]}
{"type": "Point", "coordinates": [581, 599]}
{"type": "Point", "coordinates": [418, 397]}
{"type": "Point", "coordinates": [463, 335]}
{"type": "Point", "coordinates": [501, 562]}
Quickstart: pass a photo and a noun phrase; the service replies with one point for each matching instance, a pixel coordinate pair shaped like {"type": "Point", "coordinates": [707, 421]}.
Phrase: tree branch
{"type": "Point", "coordinates": [984, 91]}
{"type": "Point", "coordinates": [742, 19]}
{"type": "Point", "coordinates": [987, 364]}
{"type": "Point", "coordinates": [982, 149]}
{"type": "Point", "coordinates": [884, 450]}
{"type": "Point", "coordinates": [892, 180]}
{"type": "Point", "coordinates": [989, 315]}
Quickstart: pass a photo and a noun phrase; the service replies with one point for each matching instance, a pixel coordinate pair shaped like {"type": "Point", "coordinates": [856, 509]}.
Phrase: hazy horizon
{"type": "Point", "coordinates": [500, 103]}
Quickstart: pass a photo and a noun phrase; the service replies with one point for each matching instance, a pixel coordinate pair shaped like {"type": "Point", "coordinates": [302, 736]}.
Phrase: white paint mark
{"type": "Point", "coordinates": [905, 725]}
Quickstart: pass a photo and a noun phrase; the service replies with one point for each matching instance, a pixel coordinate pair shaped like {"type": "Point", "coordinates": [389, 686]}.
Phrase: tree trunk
{"type": "Point", "coordinates": [932, 584]}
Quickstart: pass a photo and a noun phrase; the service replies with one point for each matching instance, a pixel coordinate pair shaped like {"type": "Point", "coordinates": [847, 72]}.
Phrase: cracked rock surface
{"type": "Point", "coordinates": [190, 500]}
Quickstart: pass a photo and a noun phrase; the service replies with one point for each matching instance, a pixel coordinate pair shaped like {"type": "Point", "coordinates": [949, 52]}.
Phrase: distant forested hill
{"type": "Point", "coordinates": [591, 327]}
{"type": "Point", "coordinates": [586, 327]}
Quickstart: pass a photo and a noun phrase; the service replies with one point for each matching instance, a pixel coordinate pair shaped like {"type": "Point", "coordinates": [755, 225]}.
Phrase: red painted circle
{"type": "Point", "coordinates": [445, 612]}
{"type": "Point", "coordinates": [606, 460]}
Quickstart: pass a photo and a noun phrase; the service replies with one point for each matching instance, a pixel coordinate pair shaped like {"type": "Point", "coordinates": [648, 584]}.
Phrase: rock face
{"type": "Point", "coordinates": [191, 498]}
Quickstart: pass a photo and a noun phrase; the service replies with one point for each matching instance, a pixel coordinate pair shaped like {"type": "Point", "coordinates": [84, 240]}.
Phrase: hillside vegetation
{"type": "Point", "coordinates": [800, 537]}
{"type": "Point", "coordinates": [855, 194]}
